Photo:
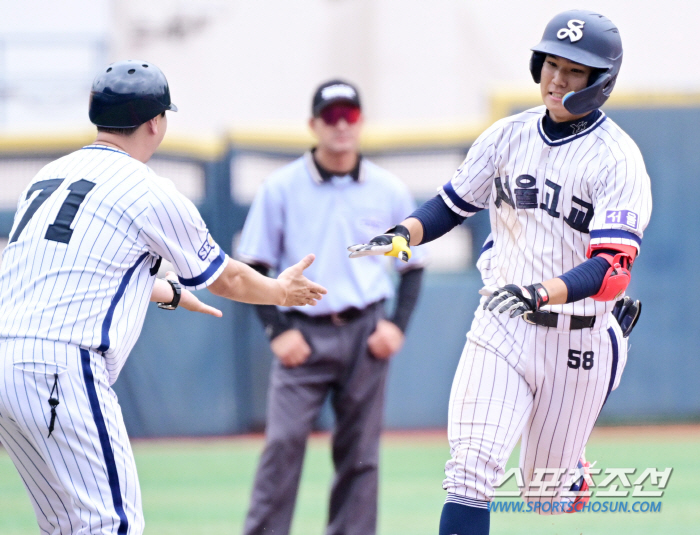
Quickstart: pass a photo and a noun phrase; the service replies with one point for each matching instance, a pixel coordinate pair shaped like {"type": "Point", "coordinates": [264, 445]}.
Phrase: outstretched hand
{"type": "Point", "coordinates": [394, 242]}
{"type": "Point", "coordinates": [190, 302]}
{"type": "Point", "coordinates": [298, 290]}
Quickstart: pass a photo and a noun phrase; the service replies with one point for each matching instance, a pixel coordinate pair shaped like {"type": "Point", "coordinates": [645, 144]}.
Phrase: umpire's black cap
{"type": "Point", "coordinates": [334, 91]}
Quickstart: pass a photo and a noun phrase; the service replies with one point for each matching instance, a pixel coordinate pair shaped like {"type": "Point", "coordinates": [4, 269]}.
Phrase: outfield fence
{"type": "Point", "coordinates": [205, 376]}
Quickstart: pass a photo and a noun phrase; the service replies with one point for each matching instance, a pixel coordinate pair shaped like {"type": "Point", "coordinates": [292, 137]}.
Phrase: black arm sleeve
{"type": "Point", "coordinates": [585, 279]}
{"type": "Point", "coordinates": [274, 322]}
{"type": "Point", "coordinates": [437, 218]}
{"type": "Point", "coordinates": [409, 288]}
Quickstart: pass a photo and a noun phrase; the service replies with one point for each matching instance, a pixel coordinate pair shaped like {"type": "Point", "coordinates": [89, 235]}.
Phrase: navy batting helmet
{"type": "Point", "coordinates": [586, 38]}
{"type": "Point", "coordinates": [128, 93]}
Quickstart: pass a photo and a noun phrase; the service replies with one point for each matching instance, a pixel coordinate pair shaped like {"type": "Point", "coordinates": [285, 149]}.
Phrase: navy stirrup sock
{"type": "Point", "coordinates": [459, 519]}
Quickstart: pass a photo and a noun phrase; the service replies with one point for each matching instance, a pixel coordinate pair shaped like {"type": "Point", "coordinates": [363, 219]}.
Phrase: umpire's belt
{"type": "Point", "coordinates": [337, 318]}
{"type": "Point", "coordinates": [550, 319]}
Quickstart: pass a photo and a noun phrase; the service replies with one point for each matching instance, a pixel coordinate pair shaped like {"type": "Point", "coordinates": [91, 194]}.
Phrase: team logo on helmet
{"type": "Point", "coordinates": [573, 32]}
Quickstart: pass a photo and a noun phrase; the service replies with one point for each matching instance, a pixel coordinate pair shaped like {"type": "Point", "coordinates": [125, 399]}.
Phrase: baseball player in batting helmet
{"type": "Point", "coordinates": [569, 198]}
{"type": "Point", "coordinates": [599, 48]}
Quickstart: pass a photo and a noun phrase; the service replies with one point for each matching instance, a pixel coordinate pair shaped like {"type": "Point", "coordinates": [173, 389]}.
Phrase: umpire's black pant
{"type": "Point", "coordinates": [340, 364]}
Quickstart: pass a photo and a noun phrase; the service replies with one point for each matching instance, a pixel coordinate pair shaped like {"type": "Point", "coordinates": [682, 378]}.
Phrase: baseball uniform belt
{"type": "Point", "coordinates": [549, 319]}
{"type": "Point", "coordinates": [338, 318]}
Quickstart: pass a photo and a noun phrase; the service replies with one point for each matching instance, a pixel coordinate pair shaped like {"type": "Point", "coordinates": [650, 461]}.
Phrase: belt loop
{"type": "Point", "coordinates": [564, 322]}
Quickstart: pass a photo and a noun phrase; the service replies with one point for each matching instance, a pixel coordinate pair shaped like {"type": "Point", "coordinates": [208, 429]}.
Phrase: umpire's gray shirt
{"type": "Point", "coordinates": [296, 213]}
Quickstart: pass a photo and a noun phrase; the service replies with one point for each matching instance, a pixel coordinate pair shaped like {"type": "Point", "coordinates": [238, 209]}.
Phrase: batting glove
{"type": "Point", "coordinates": [516, 300]}
{"type": "Point", "coordinates": [627, 314]}
{"type": "Point", "coordinates": [394, 242]}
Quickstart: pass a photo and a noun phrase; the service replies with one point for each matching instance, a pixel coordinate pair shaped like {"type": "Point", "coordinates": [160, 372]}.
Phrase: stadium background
{"type": "Point", "coordinates": [432, 77]}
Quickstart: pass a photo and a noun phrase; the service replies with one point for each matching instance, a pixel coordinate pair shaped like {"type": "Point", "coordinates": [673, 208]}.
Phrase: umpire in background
{"type": "Point", "coordinates": [329, 197]}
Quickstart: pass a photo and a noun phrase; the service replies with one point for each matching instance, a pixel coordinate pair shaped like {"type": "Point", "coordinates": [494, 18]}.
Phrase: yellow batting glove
{"type": "Point", "coordinates": [394, 242]}
{"type": "Point", "coordinates": [400, 249]}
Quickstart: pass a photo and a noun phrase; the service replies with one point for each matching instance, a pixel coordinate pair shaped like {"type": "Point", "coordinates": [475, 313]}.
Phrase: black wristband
{"type": "Point", "coordinates": [402, 231]}
{"type": "Point", "coordinates": [177, 292]}
{"type": "Point", "coordinates": [540, 295]}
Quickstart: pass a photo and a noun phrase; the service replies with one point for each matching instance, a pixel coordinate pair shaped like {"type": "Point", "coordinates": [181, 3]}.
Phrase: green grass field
{"type": "Point", "coordinates": [202, 487]}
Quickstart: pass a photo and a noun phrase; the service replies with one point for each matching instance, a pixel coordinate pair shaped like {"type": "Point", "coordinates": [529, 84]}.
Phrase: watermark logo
{"type": "Point", "coordinates": [612, 482]}
{"type": "Point", "coordinates": [605, 506]}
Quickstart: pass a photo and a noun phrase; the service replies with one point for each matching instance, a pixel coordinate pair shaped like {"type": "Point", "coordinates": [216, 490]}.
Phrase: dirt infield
{"type": "Point", "coordinates": [662, 432]}
{"type": "Point", "coordinates": [628, 432]}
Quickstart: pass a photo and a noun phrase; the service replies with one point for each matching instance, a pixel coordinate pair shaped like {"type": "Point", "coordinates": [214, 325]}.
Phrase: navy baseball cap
{"type": "Point", "coordinates": [334, 91]}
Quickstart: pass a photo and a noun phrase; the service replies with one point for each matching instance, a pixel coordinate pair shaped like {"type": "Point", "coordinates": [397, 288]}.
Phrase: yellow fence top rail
{"type": "Point", "coordinates": [375, 137]}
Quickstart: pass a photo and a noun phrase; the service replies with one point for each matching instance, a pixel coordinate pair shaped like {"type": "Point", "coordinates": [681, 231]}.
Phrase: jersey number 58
{"type": "Point", "coordinates": [578, 360]}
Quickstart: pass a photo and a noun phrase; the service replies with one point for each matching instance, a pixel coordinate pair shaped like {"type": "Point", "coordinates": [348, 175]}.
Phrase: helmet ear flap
{"type": "Point", "coordinates": [608, 85]}
{"type": "Point", "coordinates": [592, 97]}
{"type": "Point", "coordinates": [536, 63]}
{"type": "Point", "coordinates": [593, 77]}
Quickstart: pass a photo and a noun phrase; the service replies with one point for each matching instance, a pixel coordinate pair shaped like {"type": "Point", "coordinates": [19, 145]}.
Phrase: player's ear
{"type": "Point", "coordinates": [154, 125]}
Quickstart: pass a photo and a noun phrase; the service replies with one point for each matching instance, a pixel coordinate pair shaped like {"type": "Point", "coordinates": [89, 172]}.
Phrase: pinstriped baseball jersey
{"type": "Point", "coordinates": [549, 200]}
{"type": "Point", "coordinates": [80, 264]}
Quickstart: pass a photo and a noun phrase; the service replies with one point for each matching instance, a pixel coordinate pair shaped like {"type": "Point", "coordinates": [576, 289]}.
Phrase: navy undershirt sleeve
{"type": "Point", "coordinates": [437, 218]}
{"type": "Point", "coordinates": [585, 279]}
{"type": "Point", "coordinates": [407, 297]}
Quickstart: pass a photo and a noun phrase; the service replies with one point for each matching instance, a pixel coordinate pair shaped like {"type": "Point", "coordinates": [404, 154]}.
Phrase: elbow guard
{"type": "Point", "coordinates": [617, 278]}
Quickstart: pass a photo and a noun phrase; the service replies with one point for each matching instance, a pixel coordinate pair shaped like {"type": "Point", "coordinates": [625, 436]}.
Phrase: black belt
{"type": "Point", "coordinates": [337, 318]}
{"type": "Point", "coordinates": [549, 319]}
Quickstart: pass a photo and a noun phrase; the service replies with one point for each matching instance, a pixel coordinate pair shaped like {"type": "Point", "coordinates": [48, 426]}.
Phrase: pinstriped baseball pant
{"type": "Point", "coordinates": [545, 386]}
{"type": "Point", "coordinates": [82, 479]}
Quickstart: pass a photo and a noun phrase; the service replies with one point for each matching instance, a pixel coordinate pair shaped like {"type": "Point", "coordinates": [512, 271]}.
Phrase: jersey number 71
{"type": "Point", "coordinates": [59, 230]}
